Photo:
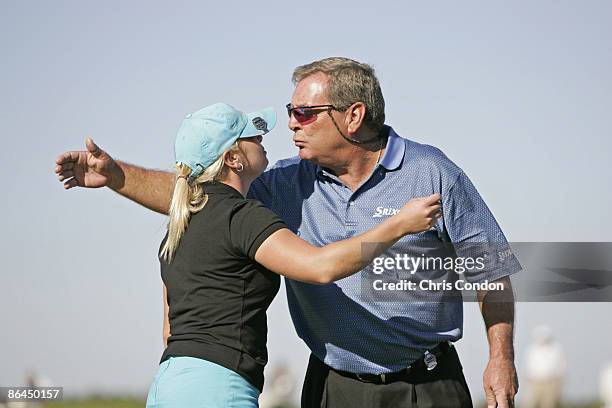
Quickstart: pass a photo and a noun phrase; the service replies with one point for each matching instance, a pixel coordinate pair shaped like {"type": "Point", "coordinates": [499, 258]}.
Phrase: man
{"type": "Point", "coordinates": [351, 171]}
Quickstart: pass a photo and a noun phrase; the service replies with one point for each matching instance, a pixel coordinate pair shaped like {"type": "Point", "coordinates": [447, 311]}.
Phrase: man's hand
{"type": "Point", "coordinates": [93, 168]}
{"type": "Point", "coordinates": [500, 382]}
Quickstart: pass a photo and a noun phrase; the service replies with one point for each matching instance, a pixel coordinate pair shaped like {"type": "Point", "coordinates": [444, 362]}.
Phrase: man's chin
{"type": "Point", "coordinates": [304, 154]}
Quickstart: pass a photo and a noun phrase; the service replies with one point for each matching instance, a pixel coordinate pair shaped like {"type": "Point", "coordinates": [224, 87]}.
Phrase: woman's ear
{"type": "Point", "coordinates": [231, 159]}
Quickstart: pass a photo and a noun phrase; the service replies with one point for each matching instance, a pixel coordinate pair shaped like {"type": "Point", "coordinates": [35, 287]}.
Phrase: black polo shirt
{"type": "Point", "coordinates": [218, 295]}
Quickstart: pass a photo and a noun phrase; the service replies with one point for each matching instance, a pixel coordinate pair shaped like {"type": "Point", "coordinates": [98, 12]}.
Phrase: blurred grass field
{"type": "Point", "coordinates": [99, 403]}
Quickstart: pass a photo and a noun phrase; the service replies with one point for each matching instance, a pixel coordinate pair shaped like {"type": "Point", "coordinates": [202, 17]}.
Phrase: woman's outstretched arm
{"type": "Point", "coordinates": [287, 254]}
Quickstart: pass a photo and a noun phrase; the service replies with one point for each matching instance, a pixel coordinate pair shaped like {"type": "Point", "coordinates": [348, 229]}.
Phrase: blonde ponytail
{"type": "Point", "coordinates": [188, 198]}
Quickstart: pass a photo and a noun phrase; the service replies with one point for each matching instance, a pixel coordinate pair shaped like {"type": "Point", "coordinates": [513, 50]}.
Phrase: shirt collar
{"type": "Point", "coordinates": [216, 187]}
{"type": "Point", "coordinates": [394, 153]}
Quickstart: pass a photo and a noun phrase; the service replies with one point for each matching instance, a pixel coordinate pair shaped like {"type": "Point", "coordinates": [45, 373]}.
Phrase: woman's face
{"type": "Point", "coordinates": [254, 155]}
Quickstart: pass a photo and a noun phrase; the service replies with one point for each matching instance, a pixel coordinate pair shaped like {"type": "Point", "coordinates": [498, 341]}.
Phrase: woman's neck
{"type": "Point", "coordinates": [239, 183]}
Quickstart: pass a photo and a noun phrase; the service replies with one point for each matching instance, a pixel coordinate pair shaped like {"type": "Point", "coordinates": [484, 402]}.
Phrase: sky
{"type": "Point", "coordinates": [517, 93]}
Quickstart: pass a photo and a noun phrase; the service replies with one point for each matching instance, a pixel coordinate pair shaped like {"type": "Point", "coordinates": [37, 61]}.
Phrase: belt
{"type": "Point", "coordinates": [427, 362]}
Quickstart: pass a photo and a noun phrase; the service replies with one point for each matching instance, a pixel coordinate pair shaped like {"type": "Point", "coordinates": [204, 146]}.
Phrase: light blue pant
{"type": "Point", "coordinates": [185, 382]}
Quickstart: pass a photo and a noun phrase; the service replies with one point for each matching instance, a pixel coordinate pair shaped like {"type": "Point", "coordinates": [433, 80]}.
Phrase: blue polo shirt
{"type": "Point", "coordinates": [342, 328]}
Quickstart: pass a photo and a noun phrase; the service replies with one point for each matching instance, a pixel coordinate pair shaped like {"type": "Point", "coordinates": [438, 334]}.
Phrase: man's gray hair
{"type": "Point", "coordinates": [349, 82]}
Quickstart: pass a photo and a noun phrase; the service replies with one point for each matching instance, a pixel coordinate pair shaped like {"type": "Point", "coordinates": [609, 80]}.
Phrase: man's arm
{"type": "Point", "coordinates": [500, 379]}
{"type": "Point", "coordinates": [150, 188]}
{"type": "Point", "coordinates": [94, 168]}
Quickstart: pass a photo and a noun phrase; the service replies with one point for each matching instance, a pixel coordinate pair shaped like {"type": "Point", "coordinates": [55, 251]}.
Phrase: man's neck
{"type": "Point", "coordinates": [359, 164]}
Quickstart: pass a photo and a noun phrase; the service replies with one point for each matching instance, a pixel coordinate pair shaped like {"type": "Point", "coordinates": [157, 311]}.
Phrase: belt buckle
{"type": "Point", "coordinates": [360, 379]}
{"type": "Point", "coordinates": [430, 360]}
{"type": "Point", "coordinates": [383, 378]}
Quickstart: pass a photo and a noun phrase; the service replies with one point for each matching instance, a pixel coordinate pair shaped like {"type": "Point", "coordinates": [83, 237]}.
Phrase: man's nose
{"type": "Point", "coordinates": [293, 124]}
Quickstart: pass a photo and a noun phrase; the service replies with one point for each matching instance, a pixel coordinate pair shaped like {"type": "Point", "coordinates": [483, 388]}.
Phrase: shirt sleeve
{"type": "Point", "coordinates": [251, 224]}
{"type": "Point", "coordinates": [475, 233]}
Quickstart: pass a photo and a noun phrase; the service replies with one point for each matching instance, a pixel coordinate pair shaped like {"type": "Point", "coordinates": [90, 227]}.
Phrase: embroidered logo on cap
{"type": "Point", "coordinates": [260, 124]}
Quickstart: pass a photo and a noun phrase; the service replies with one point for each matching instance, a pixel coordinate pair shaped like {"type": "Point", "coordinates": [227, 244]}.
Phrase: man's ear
{"type": "Point", "coordinates": [354, 117]}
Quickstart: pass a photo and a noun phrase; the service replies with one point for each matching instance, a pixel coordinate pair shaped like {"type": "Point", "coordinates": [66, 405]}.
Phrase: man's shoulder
{"type": "Point", "coordinates": [424, 157]}
{"type": "Point", "coordinates": [287, 163]}
{"type": "Point", "coordinates": [282, 179]}
{"type": "Point", "coordinates": [416, 151]}
{"type": "Point", "coordinates": [291, 163]}
{"type": "Point", "coordinates": [290, 167]}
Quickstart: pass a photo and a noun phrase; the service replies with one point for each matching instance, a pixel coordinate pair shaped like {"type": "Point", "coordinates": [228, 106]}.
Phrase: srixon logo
{"type": "Point", "coordinates": [384, 211]}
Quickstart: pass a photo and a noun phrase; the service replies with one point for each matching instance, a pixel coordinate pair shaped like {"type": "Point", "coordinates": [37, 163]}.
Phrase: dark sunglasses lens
{"type": "Point", "coordinates": [301, 113]}
{"type": "Point", "coordinates": [305, 115]}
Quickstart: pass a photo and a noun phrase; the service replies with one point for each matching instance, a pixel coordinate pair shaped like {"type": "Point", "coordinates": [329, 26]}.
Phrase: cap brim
{"type": "Point", "coordinates": [259, 123]}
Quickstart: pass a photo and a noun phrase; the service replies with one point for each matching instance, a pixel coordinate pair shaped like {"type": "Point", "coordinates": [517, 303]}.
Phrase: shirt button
{"type": "Point", "coordinates": [351, 203]}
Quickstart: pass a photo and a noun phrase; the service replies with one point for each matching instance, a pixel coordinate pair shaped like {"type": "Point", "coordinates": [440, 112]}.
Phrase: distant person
{"type": "Point", "coordinates": [545, 370]}
{"type": "Point", "coordinates": [605, 385]}
{"type": "Point", "coordinates": [279, 388]}
{"type": "Point", "coordinates": [352, 172]}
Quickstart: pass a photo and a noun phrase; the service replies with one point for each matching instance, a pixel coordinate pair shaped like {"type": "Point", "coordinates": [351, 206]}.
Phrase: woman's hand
{"type": "Point", "coordinates": [419, 214]}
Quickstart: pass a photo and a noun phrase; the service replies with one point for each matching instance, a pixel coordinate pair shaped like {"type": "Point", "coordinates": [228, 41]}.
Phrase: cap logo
{"type": "Point", "coordinates": [260, 124]}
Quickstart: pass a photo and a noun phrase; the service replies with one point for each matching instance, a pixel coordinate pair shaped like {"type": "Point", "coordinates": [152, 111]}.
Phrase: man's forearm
{"type": "Point", "coordinates": [150, 188]}
{"type": "Point", "coordinates": [500, 336]}
{"type": "Point", "coordinates": [497, 308]}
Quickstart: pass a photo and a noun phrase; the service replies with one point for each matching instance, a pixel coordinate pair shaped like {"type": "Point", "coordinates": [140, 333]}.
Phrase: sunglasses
{"type": "Point", "coordinates": [307, 114]}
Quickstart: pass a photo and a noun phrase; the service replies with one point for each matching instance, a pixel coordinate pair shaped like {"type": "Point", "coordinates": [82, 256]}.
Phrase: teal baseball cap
{"type": "Point", "coordinates": [206, 134]}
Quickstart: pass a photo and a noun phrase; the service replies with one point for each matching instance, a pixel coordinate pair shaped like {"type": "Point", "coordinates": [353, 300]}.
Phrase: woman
{"type": "Point", "coordinates": [223, 255]}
